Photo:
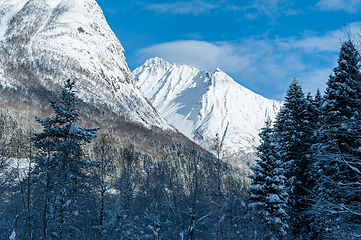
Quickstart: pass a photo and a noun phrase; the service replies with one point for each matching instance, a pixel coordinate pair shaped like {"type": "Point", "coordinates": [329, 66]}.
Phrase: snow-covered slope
{"type": "Point", "coordinates": [44, 42]}
{"type": "Point", "coordinates": [202, 104]}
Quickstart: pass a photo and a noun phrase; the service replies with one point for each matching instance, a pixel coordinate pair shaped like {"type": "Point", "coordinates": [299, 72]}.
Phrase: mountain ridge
{"type": "Point", "coordinates": [205, 106]}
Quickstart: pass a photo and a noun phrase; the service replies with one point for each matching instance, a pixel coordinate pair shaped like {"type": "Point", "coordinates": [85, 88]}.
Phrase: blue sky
{"type": "Point", "coordinates": [262, 45]}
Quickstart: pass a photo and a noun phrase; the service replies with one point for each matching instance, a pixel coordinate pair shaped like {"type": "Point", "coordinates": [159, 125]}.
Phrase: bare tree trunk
{"type": "Point", "coordinates": [47, 189]}
{"type": "Point", "coordinates": [12, 234]}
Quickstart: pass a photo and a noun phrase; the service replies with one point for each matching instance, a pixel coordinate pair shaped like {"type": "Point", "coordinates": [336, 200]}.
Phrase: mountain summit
{"type": "Point", "coordinates": [205, 106]}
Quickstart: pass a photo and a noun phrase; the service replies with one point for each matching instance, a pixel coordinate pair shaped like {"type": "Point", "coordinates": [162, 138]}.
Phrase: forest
{"type": "Point", "coordinates": [72, 182]}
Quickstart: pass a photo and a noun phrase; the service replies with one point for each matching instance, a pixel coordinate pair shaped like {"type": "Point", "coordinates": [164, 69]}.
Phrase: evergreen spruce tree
{"type": "Point", "coordinates": [59, 172]}
{"type": "Point", "coordinates": [293, 132]}
{"type": "Point", "coordinates": [337, 204]}
{"type": "Point", "coordinates": [311, 110]}
{"type": "Point", "coordinates": [317, 105]}
{"type": "Point", "coordinates": [268, 193]}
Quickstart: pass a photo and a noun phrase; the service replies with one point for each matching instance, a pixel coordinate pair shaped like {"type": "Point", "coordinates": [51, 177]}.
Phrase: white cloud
{"type": "Point", "coordinates": [331, 41]}
{"type": "Point", "coordinates": [349, 6]}
{"type": "Point", "coordinates": [203, 55]}
{"type": "Point", "coordinates": [193, 7]}
{"type": "Point", "coordinates": [266, 66]}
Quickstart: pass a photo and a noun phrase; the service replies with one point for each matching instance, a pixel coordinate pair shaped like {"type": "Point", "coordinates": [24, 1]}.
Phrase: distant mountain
{"type": "Point", "coordinates": [45, 42]}
{"type": "Point", "coordinates": [203, 105]}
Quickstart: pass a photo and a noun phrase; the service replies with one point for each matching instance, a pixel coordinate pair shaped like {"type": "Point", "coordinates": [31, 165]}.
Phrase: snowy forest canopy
{"type": "Point", "coordinates": [66, 183]}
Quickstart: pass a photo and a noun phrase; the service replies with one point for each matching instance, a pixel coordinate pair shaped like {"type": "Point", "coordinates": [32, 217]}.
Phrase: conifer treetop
{"type": "Point", "coordinates": [67, 110]}
{"type": "Point", "coordinates": [66, 115]}
{"type": "Point", "coordinates": [341, 95]}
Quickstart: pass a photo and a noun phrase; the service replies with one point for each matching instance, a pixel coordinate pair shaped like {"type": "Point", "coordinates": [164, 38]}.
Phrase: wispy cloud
{"type": "Point", "coordinates": [292, 12]}
{"type": "Point", "coordinates": [260, 63]}
{"type": "Point", "coordinates": [349, 6]}
{"type": "Point", "coordinates": [194, 7]}
{"type": "Point", "coordinates": [328, 42]}
{"type": "Point", "coordinates": [112, 11]}
{"type": "Point", "coordinates": [193, 36]}
{"type": "Point", "coordinates": [270, 8]}
{"type": "Point", "coordinates": [315, 79]}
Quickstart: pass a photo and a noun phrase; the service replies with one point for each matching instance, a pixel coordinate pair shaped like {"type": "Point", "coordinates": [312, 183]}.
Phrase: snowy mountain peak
{"type": "Point", "coordinates": [204, 105]}
{"type": "Point", "coordinates": [157, 62]}
{"type": "Point", "coordinates": [45, 42]}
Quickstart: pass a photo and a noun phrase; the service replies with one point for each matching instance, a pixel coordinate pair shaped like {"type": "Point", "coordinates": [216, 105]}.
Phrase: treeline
{"type": "Point", "coordinates": [65, 183]}
{"type": "Point", "coordinates": [307, 183]}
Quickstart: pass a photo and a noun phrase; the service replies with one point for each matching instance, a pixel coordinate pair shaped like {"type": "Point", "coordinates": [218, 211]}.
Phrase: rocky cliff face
{"type": "Point", "coordinates": [205, 106]}
{"type": "Point", "coordinates": [45, 42]}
